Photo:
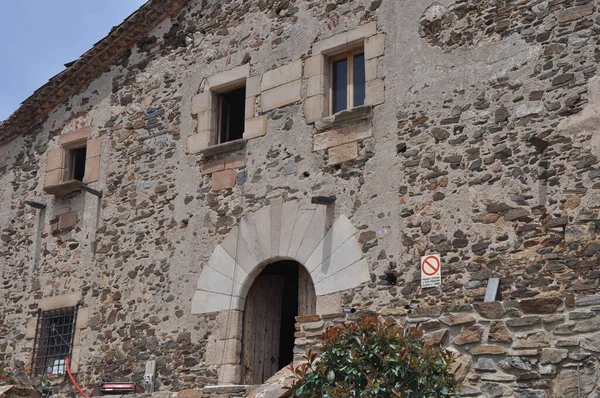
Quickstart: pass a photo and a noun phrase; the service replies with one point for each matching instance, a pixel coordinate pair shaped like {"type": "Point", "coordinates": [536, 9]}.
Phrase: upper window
{"type": "Point", "coordinates": [54, 336]}
{"type": "Point", "coordinates": [76, 164]}
{"type": "Point", "coordinates": [347, 81]}
{"type": "Point", "coordinates": [232, 115]}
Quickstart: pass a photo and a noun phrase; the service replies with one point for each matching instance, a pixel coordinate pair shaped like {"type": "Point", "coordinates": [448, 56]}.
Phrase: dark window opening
{"type": "Point", "coordinates": [78, 163]}
{"type": "Point", "coordinates": [232, 115]}
{"type": "Point", "coordinates": [54, 336]}
{"type": "Point", "coordinates": [347, 81]}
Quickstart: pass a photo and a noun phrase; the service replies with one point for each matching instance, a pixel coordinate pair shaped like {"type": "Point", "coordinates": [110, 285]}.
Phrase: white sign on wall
{"type": "Point", "coordinates": [431, 271]}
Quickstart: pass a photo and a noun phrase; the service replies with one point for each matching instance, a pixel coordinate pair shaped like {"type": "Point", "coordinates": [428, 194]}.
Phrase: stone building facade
{"type": "Point", "coordinates": [195, 148]}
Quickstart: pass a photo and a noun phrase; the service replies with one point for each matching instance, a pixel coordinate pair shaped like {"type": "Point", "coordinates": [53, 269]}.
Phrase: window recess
{"type": "Point", "coordinates": [347, 81]}
{"type": "Point", "coordinates": [232, 115]}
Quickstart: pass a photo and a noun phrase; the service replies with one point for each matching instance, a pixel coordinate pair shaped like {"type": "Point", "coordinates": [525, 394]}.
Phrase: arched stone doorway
{"type": "Point", "coordinates": [282, 291]}
{"type": "Point", "coordinates": [303, 233]}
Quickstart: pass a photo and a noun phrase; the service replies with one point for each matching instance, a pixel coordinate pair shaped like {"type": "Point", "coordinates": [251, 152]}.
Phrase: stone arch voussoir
{"type": "Point", "coordinates": [281, 231]}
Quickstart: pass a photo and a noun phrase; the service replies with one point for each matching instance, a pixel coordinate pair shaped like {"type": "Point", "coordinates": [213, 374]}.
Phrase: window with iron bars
{"type": "Point", "coordinates": [54, 336]}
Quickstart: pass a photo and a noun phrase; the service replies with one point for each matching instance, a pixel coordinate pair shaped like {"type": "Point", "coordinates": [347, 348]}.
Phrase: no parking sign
{"type": "Point", "coordinates": [431, 271]}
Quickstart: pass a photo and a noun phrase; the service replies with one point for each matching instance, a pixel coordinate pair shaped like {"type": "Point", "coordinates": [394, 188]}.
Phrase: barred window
{"type": "Point", "coordinates": [55, 332]}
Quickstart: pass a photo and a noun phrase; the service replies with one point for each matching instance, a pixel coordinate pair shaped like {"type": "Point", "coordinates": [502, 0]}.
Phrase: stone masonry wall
{"type": "Point", "coordinates": [517, 348]}
{"type": "Point", "coordinates": [479, 144]}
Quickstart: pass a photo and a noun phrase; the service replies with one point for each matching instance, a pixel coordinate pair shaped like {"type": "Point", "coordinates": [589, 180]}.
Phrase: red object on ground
{"type": "Point", "coordinates": [72, 379]}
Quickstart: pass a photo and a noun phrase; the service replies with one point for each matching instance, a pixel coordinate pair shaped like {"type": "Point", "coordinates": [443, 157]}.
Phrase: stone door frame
{"type": "Point", "coordinates": [280, 231]}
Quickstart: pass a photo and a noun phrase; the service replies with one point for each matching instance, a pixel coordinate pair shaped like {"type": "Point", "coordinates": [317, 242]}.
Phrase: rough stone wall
{"type": "Point", "coordinates": [451, 165]}
{"type": "Point", "coordinates": [540, 347]}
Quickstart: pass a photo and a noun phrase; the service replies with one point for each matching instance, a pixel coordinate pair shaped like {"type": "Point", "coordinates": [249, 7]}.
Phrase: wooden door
{"type": "Point", "coordinates": [307, 299]}
{"type": "Point", "coordinates": [262, 324]}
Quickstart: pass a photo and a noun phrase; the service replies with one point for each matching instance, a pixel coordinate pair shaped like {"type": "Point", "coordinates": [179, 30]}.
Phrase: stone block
{"type": "Point", "coordinates": [206, 302]}
{"type": "Point", "coordinates": [198, 142]}
{"type": "Point", "coordinates": [230, 374]}
{"type": "Point", "coordinates": [457, 319]}
{"type": "Point", "coordinates": [253, 86]}
{"type": "Point", "coordinates": [553, 355]}
{"type": "Point", "coordinates": [329, 304]}
{"type": "Point", "coordinates": [235, 162]}
{"type": "Point", "coordinates": [223, 351]}
{"type": "Point", "coordinates": [342, 153]}
{"type": "Point", "coordinates": [316, 85]}
{"type": "Point", "coordinates": [93, 147]}
{"type": "Point", "coordinates": [76, 137]}
{"type": "Point", "coordinates": [92, 170]}
{"type": "Point", "coordinates": [255, 127]}
{"type": "Point", "coordinates": [543, 305]}
{"type": "Point", "coordinates": [288, 218]}
{"type": "Point", "coordinates": [374, 46]}
{"type": "Point", "coordinates": [342, 135]}
{"type": "Point", "coordinates": [203, 102]}
{"type": "Point", "coordinates": [345, 40]}
{"type": "Point", "coordinates": [213, 166]}
{"type": "Point", "coordinates": [375, 92]}
{"type": "Point", "coordinates": [215, 282]}
{"type": "Point", "coordinates": [346, 255]}
{"type": "Point", "coordinates": [223, 180]}
{"type": "Point", "coordinates": [207, 121]}
{"type": "Point", "coordinates": [340, 233]}
{"type": "Point", "coordinates": [317, 229]}
{"type": "Point", "coordinates": [83, 316]}
{"type": "Point", "coordinates": [281, 95]}
{"type": "Point", "coordinates": [61, 301]}
{"type": "Point", "coordinates": [532, 340]}
{"type": "Point", "coordinates": [315, 65]}
{"type": "Point", "coordinates": [370, 69]}
{"type": "Point", "coordinates": [282, 75]}
{"type": "Point", "coordinates": [230, 324]}
{"type": "Point", "coordinates": [31, 328]}
{"type": "Point", "coordinates": [250, 107]}
{"type": "Point", "coordinates": [302, 222]}
{"type": "Point", "coordinates": [55, 159]}
{"type": "Point", "coordinates": [230, 79]}
{"type": "Point", "coordinates": [469, 335]}
{"type": "Point", "coordinates": [347, 278]}
{"type": "Point", "coordinates": [275, 207]}
{"type": "Point", "coordinates": [262, 222]}
{"type": "Point", "coordinates": [54, 177]}
{"type": "Point", "coordinates": [315, 108]}
{"type": "Point", "coordinates": [68, 220]}
{"type": "Point", "coordinates": [361, 33]}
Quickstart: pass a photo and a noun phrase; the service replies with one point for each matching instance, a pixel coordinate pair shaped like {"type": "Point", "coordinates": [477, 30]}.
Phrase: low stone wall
{"type": "Point", "coordinates": [532, 348]}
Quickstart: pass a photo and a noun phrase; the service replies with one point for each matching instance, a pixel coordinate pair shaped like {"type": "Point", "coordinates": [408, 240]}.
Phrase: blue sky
{"type": "Point", "coordinates": [37, 37]}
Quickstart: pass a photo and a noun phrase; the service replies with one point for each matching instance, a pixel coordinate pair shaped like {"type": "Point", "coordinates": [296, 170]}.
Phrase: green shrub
{"type": "Point", "coordinates": [370, 359]}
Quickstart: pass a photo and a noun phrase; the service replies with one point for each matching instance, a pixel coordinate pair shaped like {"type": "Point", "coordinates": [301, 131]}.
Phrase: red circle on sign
{"type": "Point", "coordinates": [434, 265]}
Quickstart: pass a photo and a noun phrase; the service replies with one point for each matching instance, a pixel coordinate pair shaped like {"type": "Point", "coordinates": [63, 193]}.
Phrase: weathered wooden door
{"type": "Point", "coordinates": [307, 299]}
{"type": "Point", "coordinates": [262, 326]}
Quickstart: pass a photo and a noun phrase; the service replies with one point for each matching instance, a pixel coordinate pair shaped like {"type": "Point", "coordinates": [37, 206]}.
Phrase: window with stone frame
{"type": "Point", "coordinates": [346, 80]}
{"type": "Point", "coordinates": [54, 340]}
{"type": "Point", "coordinates": [231, 115]}
{"type": "Point", "coordinates": [75, 161]}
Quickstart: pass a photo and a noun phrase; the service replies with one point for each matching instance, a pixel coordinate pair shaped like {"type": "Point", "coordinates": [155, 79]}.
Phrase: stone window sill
{"type": "Point", "coordinates": [348, 116]}
{"type": "Point", "coordinates": [223, 148]}
{"type": "Point", "coordinates": [64, 188]}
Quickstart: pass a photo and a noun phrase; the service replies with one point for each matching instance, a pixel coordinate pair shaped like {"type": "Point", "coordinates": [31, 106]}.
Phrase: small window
{"type": "Point", "coordinates": [232, 115]}
{"type": "Point", "coordinates": [347, 81]}
{"type": "Point", "coordinates": [54, 335]}
{"type": "Point", "coordinates": [76, 169]}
